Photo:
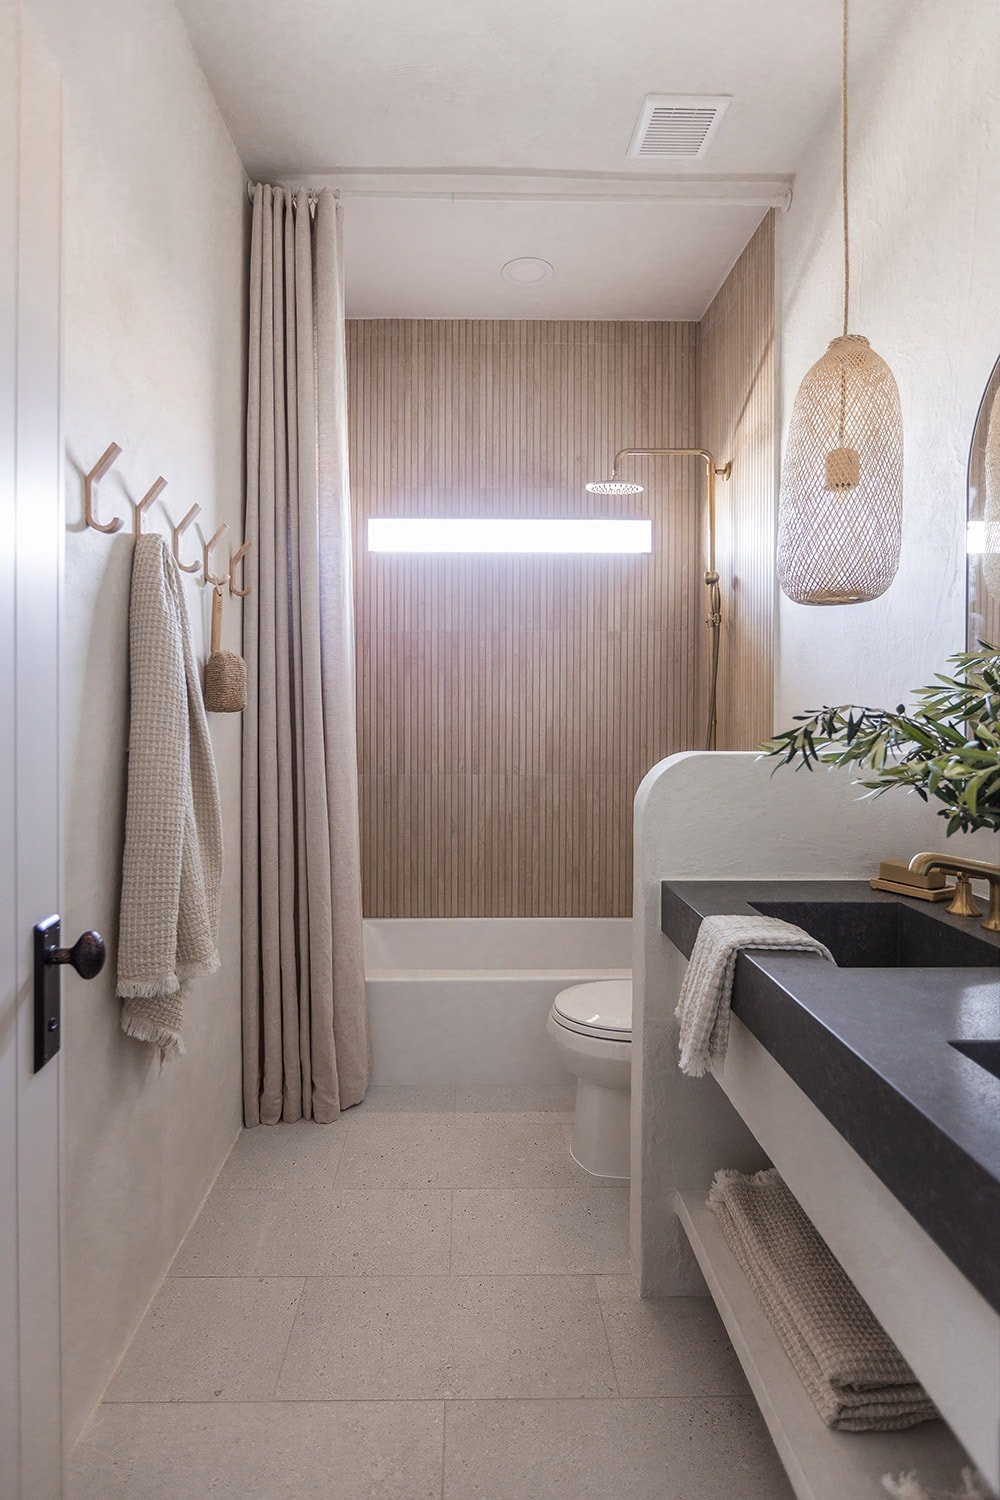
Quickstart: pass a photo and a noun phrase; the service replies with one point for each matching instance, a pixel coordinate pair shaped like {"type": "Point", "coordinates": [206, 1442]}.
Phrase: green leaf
{"type": "Point", "coordinates": [946, 748]}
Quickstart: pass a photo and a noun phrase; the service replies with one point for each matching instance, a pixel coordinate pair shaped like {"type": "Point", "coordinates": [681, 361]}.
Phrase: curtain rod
{"type": "Point", "coordinates": [730, 194]}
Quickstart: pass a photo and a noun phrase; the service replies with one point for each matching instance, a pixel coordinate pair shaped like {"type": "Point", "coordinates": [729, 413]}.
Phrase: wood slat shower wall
{"type": "Point", "coordinates": [739, 421]}
{"type": "Point", "coordinates": [509, 706]}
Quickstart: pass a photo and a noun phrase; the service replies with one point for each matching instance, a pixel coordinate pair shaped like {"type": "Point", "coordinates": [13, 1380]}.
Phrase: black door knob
{"type": "Point", "coordinates": [86, 955]}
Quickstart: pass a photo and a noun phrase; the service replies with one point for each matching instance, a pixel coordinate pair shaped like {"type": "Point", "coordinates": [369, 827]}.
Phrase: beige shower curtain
{"type": "Point", "coordinates": [305, 1026]}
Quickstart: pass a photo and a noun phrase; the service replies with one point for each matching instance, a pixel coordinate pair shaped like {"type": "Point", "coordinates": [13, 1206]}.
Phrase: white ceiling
{"type": "Point", "coordinates": [340, 87]}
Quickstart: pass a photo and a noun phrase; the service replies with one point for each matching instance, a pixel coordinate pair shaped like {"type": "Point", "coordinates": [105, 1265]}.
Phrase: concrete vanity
{"type": "Point", "coordinates": [849, 1081]}
{"type": "Point", "coordinates": [872, 1042]}
{"type": "Point", "coordinates": [844, 1078]}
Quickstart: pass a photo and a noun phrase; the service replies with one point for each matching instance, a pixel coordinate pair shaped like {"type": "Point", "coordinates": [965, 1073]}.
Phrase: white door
{"type": "Point", "coordinates": [30, 550]}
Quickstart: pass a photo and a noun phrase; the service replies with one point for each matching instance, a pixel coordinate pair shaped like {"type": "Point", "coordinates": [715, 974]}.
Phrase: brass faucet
{"type": "Point", "coordinates": [964, 905]}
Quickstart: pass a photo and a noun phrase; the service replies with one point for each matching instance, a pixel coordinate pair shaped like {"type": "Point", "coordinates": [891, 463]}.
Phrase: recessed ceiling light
{"type": "Point", "coordinates": [526, 270]}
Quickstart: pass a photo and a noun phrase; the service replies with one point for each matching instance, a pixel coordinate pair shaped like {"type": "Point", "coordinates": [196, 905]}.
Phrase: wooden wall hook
{"type": "Point", "coordinates": [159, 484]}
{"type": "Point", "coordinates": [210, 577]}
{"type": "Point", "coordinates": [90, 482]}
{"type": "Point", "coordinates": [177, 532]}
{"type": "Point", "coordinates": [234, 563]}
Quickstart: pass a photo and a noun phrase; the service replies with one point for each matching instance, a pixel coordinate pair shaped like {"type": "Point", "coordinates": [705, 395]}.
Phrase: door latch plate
{"type": "Point", "coordinates": [48, 992]}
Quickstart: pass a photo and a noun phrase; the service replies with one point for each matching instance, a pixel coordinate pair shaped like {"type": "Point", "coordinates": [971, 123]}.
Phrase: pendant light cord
{"type": "Point", "coordinates": [843, 164]}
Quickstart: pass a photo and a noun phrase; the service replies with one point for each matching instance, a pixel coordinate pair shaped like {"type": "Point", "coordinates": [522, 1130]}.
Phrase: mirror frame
{"type": "Point", "coordinates": [990, 396]}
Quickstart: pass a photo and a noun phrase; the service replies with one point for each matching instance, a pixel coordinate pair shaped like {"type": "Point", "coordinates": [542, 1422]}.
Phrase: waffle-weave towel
{"type": "Point", "coordinates": [855, 1375]}
{"type": "Point", "coordinates": [172, 865]}
{"type": "Point", "coordinates": [703, 1007]}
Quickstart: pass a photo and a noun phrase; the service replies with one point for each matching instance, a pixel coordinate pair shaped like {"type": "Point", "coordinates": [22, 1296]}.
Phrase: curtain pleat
{"type": "Point", "coordinates": [337, 656]}
{"type": "Point", "coordinates": [305, 1026]}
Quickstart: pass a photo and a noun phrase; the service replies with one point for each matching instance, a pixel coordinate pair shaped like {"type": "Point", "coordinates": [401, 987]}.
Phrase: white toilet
{"type": "Point", "coordinates": [591, 1025]}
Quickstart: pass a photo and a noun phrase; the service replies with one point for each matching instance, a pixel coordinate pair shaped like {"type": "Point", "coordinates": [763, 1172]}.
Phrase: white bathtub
{"type": "Point", "coordinates": [463, 1000]}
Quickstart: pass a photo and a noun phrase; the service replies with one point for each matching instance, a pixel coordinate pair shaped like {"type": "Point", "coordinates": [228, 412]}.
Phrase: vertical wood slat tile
{"type": "Point", "coordinates": [509, 706]}
{"type": "Point", "coordinates": [739, 421]}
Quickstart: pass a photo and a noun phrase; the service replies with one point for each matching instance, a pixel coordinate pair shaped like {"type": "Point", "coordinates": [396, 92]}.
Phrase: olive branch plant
{"type": "Point", "coordinates": [946, 748]}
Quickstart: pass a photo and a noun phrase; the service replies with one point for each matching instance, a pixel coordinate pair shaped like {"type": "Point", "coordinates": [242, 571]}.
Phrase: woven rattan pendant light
{"type": "Point", "coordinates": [841, 506]}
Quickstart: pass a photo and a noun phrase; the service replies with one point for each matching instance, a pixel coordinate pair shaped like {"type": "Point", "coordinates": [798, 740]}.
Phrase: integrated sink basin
{"type": "Point", "coordinates": [890, 935]}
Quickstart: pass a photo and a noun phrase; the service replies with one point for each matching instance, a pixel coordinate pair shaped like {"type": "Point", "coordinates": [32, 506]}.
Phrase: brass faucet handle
{"type": "Point", "coordinates": [966, 871]}
{"type": "Point", "coordinates": [964, 903]}
{"type": "Point", "coordinates": [991, 921]}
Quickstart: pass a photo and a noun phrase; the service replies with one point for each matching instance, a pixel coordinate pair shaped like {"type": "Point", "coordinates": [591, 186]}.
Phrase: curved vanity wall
{"type": "Point", "coordinates": [727, 816]}
{"type": "Point", "coordinates": [754, 824]}
{"type": "Point", "coordinates": [464, 1000]}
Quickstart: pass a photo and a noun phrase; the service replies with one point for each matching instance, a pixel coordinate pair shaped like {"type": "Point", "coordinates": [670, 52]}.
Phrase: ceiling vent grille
{"type": "Point", "coordinates": [679, 127]}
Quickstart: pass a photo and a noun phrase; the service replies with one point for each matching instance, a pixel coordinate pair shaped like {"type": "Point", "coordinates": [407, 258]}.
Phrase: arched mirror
{"type": "Point", "coordinates": [984, 520]}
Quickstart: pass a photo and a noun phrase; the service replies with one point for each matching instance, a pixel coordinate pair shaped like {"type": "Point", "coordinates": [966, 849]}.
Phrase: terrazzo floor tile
{"type": "Point", "coordinates": [205, 1340]}
{"type": "Point", "coordinates": [285, 1155]}
{"type": "Point", "coordinates": [458, 1150]}
{"type": "Point", "coordinates": [308, 1233]}
{"type": "Point", "coordinates": [673, 1347]}
{"type": "Point", "coordinates": [348, 1451]}
{"type": "Point", "coordinates": [405, 1099]}
{"type": "Point", "coordinates": [399, 1337]}
{"type": "Point", "coordinates": [342, 1281]}
{"type": "Point", "coordinates": [545, 1230]}
{"type": "Point", "coordinates": [559, 1099]}
{"type": "Point", "coordinates": [226, 1237]}
{"type": "Point", "coordinates": [609, 1450]}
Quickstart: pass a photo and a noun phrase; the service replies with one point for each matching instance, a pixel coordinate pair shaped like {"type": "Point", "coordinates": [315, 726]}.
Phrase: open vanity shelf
{"type": "Point", "coordinates": [821, 1464]}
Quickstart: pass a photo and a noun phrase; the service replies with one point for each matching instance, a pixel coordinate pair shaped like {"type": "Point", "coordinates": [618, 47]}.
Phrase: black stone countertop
{"type": "Point", "coordinates": [870, 1047]}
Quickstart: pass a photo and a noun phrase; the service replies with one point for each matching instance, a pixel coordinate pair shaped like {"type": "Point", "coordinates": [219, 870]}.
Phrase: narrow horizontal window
{"type": "Point", "coordinates": [507, 534]}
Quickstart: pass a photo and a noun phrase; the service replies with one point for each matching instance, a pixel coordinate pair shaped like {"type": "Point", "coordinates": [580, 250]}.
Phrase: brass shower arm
{"type": "Point", "coordinates": [723, 470]}
{"type": "Point", "coordinates": [713, 470]}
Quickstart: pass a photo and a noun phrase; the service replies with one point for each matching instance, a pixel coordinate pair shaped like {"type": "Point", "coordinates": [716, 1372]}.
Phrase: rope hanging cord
{"type": "Point", "coordinates": [843, 166]}
{"type": "Point", "coordinates": [840, 508]}
{"type": "Point", "coordinates": [841, 471]}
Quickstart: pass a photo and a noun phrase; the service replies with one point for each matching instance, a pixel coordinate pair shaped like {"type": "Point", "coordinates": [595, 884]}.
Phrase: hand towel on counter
{"type": "Point", "coordinates": [703, 1007]}
{"type": "Point", "coordinates": [855, 1375]}
{"type": "Point", "coordinates": [172, 866]}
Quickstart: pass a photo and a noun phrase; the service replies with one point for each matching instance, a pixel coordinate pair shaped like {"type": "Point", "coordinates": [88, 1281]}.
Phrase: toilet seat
{"type": "Point", "coordinates": [601, 1009]}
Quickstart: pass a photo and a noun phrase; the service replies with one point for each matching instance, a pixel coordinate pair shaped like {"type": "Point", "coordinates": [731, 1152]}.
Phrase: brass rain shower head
{"type": "Point", "coordinates": [614, 487]}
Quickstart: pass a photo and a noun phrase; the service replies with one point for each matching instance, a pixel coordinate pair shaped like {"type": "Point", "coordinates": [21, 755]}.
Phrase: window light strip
{"type": "Point", "coordinates": [507, 534]}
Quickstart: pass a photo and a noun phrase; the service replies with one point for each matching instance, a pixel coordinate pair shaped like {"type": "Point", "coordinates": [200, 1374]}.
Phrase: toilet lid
{"type": "Point", "coordinates": [604, 1005]}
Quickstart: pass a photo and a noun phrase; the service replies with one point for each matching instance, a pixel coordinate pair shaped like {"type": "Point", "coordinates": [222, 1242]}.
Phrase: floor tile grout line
{"type": "Point", "coordinates": [575, 1275]}
{"type": "Point", "coordinates": [258, 1275]}
{"type": "Point", "coordinates": [748, 1401]}
{"type": "Point", "coordinates": [451, 1233]}
{"type": "Point", "coordinates": [348, 1132]}
{"type": "Point", "coordinates": [288, 1341]}
{"type": "Point", "coordinates": [607, 1339]}
{"type": "Point", "coordinates": [444, 1441]}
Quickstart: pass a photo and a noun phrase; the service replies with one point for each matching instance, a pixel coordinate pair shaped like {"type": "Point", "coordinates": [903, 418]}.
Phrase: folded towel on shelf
{"type": "Point", "coordinates": [172, 866]}
{"type": "Point", "coordinates": [908, 1487]}
{"type": "Point", "coordinates": [703, 1007]}
{"type": "Point", "coordinates": [855, 1375]}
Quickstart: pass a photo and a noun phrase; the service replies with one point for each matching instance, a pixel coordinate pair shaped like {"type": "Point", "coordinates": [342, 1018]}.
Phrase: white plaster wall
{"type": "Point", "coordinates": [925, 184]}
{"type": "Point", "coordinates": [154, 301]}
